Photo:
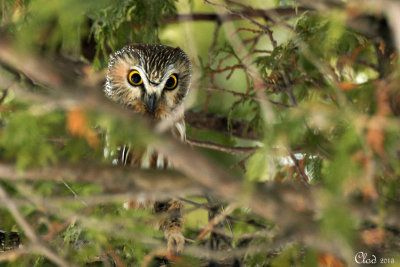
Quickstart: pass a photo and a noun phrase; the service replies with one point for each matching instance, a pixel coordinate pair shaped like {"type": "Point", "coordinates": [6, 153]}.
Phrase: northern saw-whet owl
{"type": "Point", "coordinates": [153, 80]}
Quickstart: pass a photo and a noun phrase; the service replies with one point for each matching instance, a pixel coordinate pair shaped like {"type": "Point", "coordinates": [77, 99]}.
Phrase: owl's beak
{"type": "Point", "coordinates": [151, 102]}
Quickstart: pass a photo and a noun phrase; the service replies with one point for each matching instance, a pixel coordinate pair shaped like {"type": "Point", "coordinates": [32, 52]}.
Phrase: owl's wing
{"type": "Point", "coordinates": [179, 130]}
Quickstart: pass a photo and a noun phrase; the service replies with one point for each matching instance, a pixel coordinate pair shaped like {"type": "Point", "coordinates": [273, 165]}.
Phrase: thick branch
{"type": "Point", "coordinates": [112, 179]}
{"type": "Point", "coordinates": [284, 204]}
{"type": "Point", "coordinates": [262, 200]}
{"type": "Point", "coordinates": [268, 201]}
{"type": "Point", "coordinates": [66, 90]}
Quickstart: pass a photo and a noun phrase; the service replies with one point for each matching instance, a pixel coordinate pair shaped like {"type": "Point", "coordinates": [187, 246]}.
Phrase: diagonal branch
{"type": "Point", "coordinates": [111, 178]}
{"type": "Point", "coordinates": [269, 202]}
{"type": "Point", "coordinates": [218, 147]}
{"type": "Point", "coordinates": [36, 244]}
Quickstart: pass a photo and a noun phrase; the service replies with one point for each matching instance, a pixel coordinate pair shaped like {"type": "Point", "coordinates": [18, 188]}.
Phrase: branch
{"type": "Point", "coordinates": [111, 178]}
{"type": "Point", "coordinates": [253, 13]}
{"type": "Point", "coordinates": [303, 176]}
{"type": "Point", "coordinates": [208, 121]}
{"type": "Point", "coordinates": [290, 206]}
{"type": "Point", "coordinates": [15, 253]}
{"type": "Point", "coordinates": [37, 245]}
{"type": "Point", "coordinates": [266, 201]}
{"type": "Point", "coordinates": [222, 148]}
{"type": "Point", "coordinates": [63, 88]}
{"type": "Point", "coordinates": [249, 221]}
{"type": "Point", "coordinates": [216, 89]}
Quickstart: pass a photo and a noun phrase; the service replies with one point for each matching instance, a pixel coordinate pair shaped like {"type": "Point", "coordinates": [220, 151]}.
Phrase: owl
{"type": "Point", "coordinates": [153, 80]}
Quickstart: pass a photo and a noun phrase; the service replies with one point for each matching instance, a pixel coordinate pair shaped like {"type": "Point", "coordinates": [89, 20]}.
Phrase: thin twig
{"type": "Point", "coordinates": [299, 170]}
{"type": "Point", "coordinates": [242, 162]}
{"type": "Point", "coordinates": [210, 226]}
{"type": "Point", "coordinates": [262, 51]}
{"type": "Point", "coordinates": [4, 95]}
{"type": "Point", "coordinates": [216, 89]}
{"type": "Point", "coordinates": [240, 13]}
{"type": "Point", "coordinates": [29, 232]}
{"type": "Point", "coordinates": [222, 148]}
{"type": "Point", "coordinates": [255, 13]}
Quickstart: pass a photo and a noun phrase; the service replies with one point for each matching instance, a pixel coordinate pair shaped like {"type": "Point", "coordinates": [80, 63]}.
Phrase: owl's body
{"type": "Point", "coordinates": [153, 80]}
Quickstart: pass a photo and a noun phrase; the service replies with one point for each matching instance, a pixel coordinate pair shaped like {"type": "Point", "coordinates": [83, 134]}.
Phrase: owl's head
{"type": "Point", "coordinates": [150, 79]}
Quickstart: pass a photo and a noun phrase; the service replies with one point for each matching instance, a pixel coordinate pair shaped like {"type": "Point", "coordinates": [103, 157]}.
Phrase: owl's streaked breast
{"type": "Point", "coordinates": [153, 80]}
{"type": "Point", "coordinates": [149, 157]}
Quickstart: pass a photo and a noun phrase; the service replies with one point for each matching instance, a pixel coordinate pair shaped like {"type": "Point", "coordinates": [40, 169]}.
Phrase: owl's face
{"type": "Point", "coordinates": [150, 79]}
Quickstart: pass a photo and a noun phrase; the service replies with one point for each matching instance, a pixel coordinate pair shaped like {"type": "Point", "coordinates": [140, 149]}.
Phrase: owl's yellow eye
{"type": "Point", "coordinates": [134, 78]}
{"type": "Point", "coordinates": [172, 82]}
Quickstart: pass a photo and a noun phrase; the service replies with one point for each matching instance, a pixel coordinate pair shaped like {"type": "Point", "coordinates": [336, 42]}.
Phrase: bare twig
{"type": "Point", "coordinates": [254, 13]}
{"type": "Point", "coordinates": [36, 244]}
{"type": "Point", "coordinates": [246, 220]}
{"type": "Point", "coordinates": [299, 170]}
{"type": "Point", "coordinates": [262, 51]}
{"type": "Point", "coordinates": [222, 148]}
{"type": "Point", "coordinates": [216, 89]}
{"type": "Point", "coordinates": [242, 162]}
{"type": "Point", "coordinates": [210, 226]}
{"type": "Point", "coordinates": [241, 13]}
{"type": "Point", "coordinates": [240, 49]}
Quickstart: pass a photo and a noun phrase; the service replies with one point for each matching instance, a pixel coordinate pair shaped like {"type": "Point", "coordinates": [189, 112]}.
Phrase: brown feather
{"type": "Point", "coordinates": [154, 64]}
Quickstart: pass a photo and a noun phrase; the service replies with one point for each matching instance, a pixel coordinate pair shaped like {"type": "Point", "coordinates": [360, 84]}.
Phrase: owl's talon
{"type": "Point", "coordinates": [176, 242]}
